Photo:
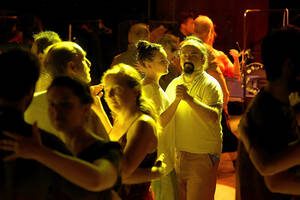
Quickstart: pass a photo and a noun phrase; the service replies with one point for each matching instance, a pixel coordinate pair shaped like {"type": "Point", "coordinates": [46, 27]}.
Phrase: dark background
{"type": "Point", "coordinates": [118, 15]}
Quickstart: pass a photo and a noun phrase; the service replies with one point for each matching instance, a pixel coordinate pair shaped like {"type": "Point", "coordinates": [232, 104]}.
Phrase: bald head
{"type": "Point", "coordinates": [203, 27]}
{"type": "Point", "coordinates": [138, 32]}
{"type": "Point", "coordinates": [63, 56]}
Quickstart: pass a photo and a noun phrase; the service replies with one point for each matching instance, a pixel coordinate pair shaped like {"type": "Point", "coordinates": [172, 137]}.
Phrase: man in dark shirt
{"type": "Point", "coordinates": [137, 32]}
{"type": "Point", "coordinates": [269, 149]}
{"type": "Point", "coordinates": [22, 179]}
{"type": "Point", "coordinates": [185, 25]}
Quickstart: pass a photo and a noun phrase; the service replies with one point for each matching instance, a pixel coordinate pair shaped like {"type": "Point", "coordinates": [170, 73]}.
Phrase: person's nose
{"type": "Point", "coordinates": [88, 62]}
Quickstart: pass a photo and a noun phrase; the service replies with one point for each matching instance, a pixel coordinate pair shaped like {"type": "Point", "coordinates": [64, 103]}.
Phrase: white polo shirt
{"type": "Point", "coordinates": [193, 133]}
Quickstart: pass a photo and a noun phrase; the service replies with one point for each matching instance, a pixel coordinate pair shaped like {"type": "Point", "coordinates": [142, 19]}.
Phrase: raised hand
{"type": "Point", "coordinates": [234, 53]}
{"type": "Point", "coordinates": [22, 146]}
{"type": "Point", "coordinates": [294, 98]}
{"type": "Point", "coordinates": [97, 93]}
{"type": "Point", "coordinates": [97, 90]}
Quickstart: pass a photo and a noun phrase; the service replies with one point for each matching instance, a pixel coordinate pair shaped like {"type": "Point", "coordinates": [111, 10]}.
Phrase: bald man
{"type": "Point", "coordinates": [136, 33]}
{"type": "Point", "coordinates": [62, 59]}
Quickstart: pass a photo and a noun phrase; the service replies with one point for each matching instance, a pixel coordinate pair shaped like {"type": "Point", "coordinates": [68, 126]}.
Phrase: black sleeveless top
{"type": "Point", "coordinates": [137, 191]}
{"type": "Point", "coordinates": [99, 150]}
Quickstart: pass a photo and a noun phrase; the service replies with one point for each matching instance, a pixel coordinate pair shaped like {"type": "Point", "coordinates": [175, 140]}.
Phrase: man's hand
{"type": "Point", "coordinates": [181, 92]}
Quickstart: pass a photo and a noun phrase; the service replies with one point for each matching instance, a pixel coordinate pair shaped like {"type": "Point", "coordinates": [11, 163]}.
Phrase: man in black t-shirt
{"type": "Point", "coordinates": [268, 154]}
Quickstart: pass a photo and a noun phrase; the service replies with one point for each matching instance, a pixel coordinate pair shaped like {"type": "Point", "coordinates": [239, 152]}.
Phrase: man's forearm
{"type": "Point", "coordinates": [203, 110]}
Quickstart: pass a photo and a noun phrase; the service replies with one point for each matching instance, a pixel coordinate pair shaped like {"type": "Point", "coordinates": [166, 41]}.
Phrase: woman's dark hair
{"type": "Point", "coordinates": [146, 51]}
{"type": "Point", "coordinates": [79, 88]}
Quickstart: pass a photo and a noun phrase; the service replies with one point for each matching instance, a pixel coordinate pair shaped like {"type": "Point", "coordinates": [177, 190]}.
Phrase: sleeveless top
{"type": "Point", "coordinates": [137, 191]}
{"type": "Point", "coordinates": [99, 150]}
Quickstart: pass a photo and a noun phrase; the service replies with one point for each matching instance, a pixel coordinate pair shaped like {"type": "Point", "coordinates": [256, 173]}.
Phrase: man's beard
{"type": "Point", "coordinates": [188, 68]}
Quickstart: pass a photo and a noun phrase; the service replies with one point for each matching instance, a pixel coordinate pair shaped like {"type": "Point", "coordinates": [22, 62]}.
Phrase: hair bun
{"type": "Point", "coordinates": [142, 44]}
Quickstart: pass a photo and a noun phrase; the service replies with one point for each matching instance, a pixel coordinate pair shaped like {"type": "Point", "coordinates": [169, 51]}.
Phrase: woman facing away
{"type": "Point", "coordinates": [154, 63]}
{"type": "Point", "coordinates": [95, 165]}
{"type": "Point", "coordinates": [134, 126]}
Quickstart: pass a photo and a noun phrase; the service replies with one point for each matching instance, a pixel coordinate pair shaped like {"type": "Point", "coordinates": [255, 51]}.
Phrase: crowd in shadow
{"type": "Point", "coordinates": [81, 119]}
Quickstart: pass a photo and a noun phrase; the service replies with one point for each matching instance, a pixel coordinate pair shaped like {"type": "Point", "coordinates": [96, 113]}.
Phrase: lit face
{"type": "Point", "coordinates": [171, 52]}
{"type": "Point", "coordinates": [159, 64]}
{"type": "Point", "coordinates": [65, 109]}
{"type": "Point", "coordinates": [118, 95]}
{"type": "Point", "coordinates": [83, 66]}
{"type": "Point", "coordinates": [189, 26]}
{"type": "Point", "coordinates": [191, 59]}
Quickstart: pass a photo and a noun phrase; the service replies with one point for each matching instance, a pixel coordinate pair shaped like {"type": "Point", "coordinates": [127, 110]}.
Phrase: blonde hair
{"type": "Point", "coordinates": [133, 79]}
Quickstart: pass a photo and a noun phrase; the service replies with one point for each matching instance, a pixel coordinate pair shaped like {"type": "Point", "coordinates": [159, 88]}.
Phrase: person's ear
{"type": "Point", "coordinates": [71, 69]}
{"type": "Point", "coordinates": [203, 59]}
{"type": "Point", "coordinates": [147, 64]}
{"type": "Point", "coordinates": [183, 25]}
{"type": "Point", "coordinates": [28, 98]}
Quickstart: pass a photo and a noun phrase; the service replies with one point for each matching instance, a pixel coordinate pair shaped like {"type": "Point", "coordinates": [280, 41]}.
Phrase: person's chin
{"type": "Point", "coordinates": [89, 80]}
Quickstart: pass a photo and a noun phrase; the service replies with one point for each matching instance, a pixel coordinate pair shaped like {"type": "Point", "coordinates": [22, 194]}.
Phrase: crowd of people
{"type": "Point", "coordinates": [154, 127]}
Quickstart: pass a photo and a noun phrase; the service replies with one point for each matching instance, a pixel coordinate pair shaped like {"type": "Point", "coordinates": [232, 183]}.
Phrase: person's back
{"type": "Point", "coordinates": [19, 178]}
{"type": "Point", "coordinates": [263, 114]}
{"type": "Point", "coordinates": [265, 159]}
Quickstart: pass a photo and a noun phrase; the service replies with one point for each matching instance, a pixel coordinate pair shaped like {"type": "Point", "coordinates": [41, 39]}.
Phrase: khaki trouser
{"type": "Point", "coordinates": [197, 176]}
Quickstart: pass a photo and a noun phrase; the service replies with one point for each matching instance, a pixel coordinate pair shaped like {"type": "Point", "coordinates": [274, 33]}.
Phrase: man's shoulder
{"type": "Point", "coordinates": [264, 112]}
{"type": "Point", "coordinates": [210, 81]}
{"type": "Point", "coordinates": [261, 102]}
{"type": "Point", "coordinates": [38, 112]}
